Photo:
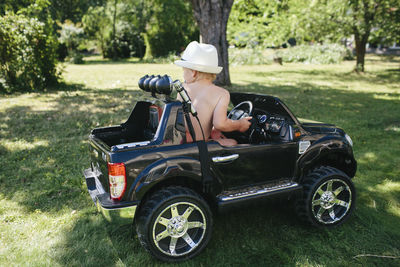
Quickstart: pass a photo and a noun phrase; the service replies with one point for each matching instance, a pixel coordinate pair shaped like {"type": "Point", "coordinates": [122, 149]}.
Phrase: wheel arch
{"type": "Point", "coordinates": [340, 159]}
{"type": "Point", "coordinates": [178, 180]}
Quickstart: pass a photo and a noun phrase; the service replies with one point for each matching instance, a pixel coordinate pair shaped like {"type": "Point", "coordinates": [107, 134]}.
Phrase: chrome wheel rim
{"type": "Point", "coordinates": [179, 229]}
{"type": "Point", "coordinates": [331, 201]}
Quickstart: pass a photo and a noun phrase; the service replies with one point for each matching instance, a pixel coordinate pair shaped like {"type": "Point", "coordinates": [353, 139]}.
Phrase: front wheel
{"type": "Point", "coordinates": [328, 198]}
{"type": "Point", "coordinates": [174, 224]}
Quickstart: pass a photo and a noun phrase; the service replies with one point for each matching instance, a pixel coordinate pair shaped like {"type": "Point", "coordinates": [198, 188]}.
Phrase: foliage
{"type": "Point", "coordinates": [170, 27]}
{"type": "Point", "coordinates": [129, 28]}
{"type": "Point", "coordinates": [118, 36]}
{"type": "Point", "coordinates": [308, 54]}
{"type": "Point", "coordinates": [248, 24]}
{"type": "Point", "coordinates": [60, 10]}
{"type": "Point", "coordinates": [365, 15]}
{"type": "Point", "coordinates": [96, 25]}
{"type": "Point", "coordinates": [72, 35]}
{"type": "Point", "coordinates": [72, 10]}
{"type": "Point", "coordinates": [28, 54]}
{"type": "Point", "coordinates": [322, 20]}
{"type": "Point", "coordinates": [315, 54]}
{"type": "Point", "coordinates": [250, 56]}
{"type": "Point", "coordinates": [389, 32]}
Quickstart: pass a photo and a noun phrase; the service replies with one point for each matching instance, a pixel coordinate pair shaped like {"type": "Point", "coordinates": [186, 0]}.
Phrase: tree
{"type": "Point", "coordinates": [361, 18]}
{"type": "Point", "coordinates": [115, 29]}
{"type": "Point", "coordinates": [169, 27]}
{"type": "Point", "coordinates": [248, 24]}
{"type": "Point", "coordinates": [71, 35]}
{"type": "Point", "coordinates": [388, 33]}
{"type": "Point", "coordinates": [321, 20]}
{"type": "Point", "coordinates": [364, 14]}
{"type": "Point", "coordinates": [95, 23]}
{"type": "Point", "coordinates": [212, 18]}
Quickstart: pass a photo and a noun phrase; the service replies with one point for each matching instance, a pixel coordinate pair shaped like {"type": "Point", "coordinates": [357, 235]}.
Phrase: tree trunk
{"type": "Point", "coordinates": [114, 41]}
{"type": "Point", "coordinates": [362, 27]}
{"type": "Point", "coordinates": [360, 53]}
{"type": "Point", "coordinates": [212, 18]}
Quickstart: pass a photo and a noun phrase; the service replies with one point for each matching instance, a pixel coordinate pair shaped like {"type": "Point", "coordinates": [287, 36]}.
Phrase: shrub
{"type": "Point", "coordinates": [71, 35]}
{"type": "Point", "coordinates": [28, 58]}
{"type": "Point", "coordinates": [316, 54]}
{"type": "Point", "coordinates": [249, 56]}
{"type": "Point", "coordinates": [122, 46]}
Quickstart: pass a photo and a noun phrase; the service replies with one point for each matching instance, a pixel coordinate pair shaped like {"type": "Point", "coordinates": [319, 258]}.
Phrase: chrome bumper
{"type": "Point", "coordinates": [117, 213]}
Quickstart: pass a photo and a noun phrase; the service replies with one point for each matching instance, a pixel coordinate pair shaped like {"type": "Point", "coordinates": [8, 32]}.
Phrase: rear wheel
{"type": "Point", "coordinates": [174, 224]}
{"type": "Point", "coordinates": [328, 198]}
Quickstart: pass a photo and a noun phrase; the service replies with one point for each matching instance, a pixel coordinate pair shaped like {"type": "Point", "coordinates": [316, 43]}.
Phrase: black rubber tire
{"type": "Point", "coordinates": [319, 178]}
{"type": "Point", "coordinates": [154, 207]}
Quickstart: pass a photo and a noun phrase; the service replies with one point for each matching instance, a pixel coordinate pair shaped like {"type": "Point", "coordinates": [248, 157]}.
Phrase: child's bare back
{"type": "Point", "coordinates": [205, 97]}
{"type": "Point", "coordinates": [200, 66]}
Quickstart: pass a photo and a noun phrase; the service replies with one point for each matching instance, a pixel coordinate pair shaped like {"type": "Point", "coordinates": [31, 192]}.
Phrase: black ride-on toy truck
{"type": "Point", "coordinates": [145, 173]}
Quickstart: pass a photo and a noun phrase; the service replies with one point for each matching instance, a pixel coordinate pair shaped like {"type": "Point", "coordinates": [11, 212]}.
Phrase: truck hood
{"type": "Point", "coordinates": [322, 128]}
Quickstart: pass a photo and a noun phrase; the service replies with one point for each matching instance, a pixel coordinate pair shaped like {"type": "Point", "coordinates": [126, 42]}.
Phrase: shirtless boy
{"type": "Point", "coordinates": [200, 66]}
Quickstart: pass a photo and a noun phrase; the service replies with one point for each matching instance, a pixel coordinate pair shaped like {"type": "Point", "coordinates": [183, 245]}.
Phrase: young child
{"type": "Point", "coordinates": [200, 66]}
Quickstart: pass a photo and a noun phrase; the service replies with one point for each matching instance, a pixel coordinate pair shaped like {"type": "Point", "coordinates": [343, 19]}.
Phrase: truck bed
{"type": "Point", "coordinates": [141, 126]}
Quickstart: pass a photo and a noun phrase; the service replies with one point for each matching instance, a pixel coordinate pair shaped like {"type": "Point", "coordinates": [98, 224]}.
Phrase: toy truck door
{"type": "Point", "coordinates": [244, 165]}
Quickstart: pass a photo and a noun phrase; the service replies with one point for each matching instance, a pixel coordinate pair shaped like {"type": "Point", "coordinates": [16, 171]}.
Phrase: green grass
{"type": "Point", "coordinates": [47, 217]}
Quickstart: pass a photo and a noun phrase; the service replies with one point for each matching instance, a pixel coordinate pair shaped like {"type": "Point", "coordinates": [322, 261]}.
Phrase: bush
{"type": "Point", "coordinates": [249, 56]}
{"type": "Point", "coordinates": [28, 54]}
{"type": "Point", "coordinates": [316, 54]}
{"type": "Point", "coordinates": [125, 45]}
{"type": "Point", "coordinates": [75, 57]}
{"type": "Point", "coordinates": [71, 35]}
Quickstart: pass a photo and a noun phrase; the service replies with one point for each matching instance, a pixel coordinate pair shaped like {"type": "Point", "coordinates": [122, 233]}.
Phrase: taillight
{"type": "Point", "coordinates": [117, 179]}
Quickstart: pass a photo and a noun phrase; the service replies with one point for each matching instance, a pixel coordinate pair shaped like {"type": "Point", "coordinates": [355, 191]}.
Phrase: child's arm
{"type": "Point", "coordinates": [222, 123]}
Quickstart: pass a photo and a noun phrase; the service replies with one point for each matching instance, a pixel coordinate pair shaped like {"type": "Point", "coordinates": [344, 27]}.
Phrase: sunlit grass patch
{"type": "Point", "coordinates": [23, 145]}
{"type": "Point", "coordinates": [393, 128]}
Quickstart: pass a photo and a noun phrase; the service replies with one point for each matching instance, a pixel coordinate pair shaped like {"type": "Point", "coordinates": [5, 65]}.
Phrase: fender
{"type": "Point", "coordinates": [323, 147]}
{"type": "Point", "coordinates": [163, 169]}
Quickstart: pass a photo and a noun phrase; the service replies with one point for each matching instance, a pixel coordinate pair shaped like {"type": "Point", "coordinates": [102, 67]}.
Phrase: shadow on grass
{"type": "Point", "coordinates": [379, 58]}
{"type": "Point", "coordinates": [59, 87]}
{"type": "Point", "coordinates": [47, 144]}
{"type": "Point", "coordinates": [376, 77]}
{"type": "Point", "coordinates": [267, 234]}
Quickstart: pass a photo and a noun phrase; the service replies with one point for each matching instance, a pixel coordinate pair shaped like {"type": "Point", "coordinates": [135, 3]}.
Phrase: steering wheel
{"type": "Point", "coordinates": [237, 112]}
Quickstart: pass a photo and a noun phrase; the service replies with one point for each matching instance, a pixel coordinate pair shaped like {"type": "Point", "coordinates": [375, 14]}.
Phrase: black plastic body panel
{"type": "Point", "coordinates": [151, 162]}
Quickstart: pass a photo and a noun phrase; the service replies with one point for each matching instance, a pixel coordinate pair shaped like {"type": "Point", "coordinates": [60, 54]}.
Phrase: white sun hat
{"type": "Point", "coordinates": [201, 57]}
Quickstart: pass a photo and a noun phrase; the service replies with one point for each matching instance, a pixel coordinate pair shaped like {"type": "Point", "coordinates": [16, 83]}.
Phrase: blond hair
{"type": "Point", "coordinates": [206, 76]}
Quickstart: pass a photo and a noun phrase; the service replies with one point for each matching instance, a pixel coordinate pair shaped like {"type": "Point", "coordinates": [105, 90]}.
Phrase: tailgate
{"type": "Point", "coordinates": [99, 156]}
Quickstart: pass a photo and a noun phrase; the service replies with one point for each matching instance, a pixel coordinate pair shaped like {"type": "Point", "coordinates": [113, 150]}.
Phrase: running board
{"type": "Point", "coordinates": [256, 192]}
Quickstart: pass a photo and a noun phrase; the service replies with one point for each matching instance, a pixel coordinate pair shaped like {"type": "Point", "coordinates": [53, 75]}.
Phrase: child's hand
{"type": "Point", "coordinates": [245, 124]}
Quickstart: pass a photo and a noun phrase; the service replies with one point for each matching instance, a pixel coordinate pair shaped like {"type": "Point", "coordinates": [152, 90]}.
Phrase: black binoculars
{"type": "Point", "coordinates": [156, 84]}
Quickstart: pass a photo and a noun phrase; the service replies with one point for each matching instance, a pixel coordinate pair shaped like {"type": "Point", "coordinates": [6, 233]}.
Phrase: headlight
{"type": "Point", "coordinates": [349, 139]}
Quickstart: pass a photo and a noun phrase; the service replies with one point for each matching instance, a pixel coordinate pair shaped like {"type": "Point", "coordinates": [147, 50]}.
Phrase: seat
{"type": "Point", "coordinates": [286, 132]}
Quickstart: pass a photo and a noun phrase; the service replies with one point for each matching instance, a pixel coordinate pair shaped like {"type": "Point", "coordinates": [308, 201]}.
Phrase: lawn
{"type": "Point", "coordinates": [47, 217]}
